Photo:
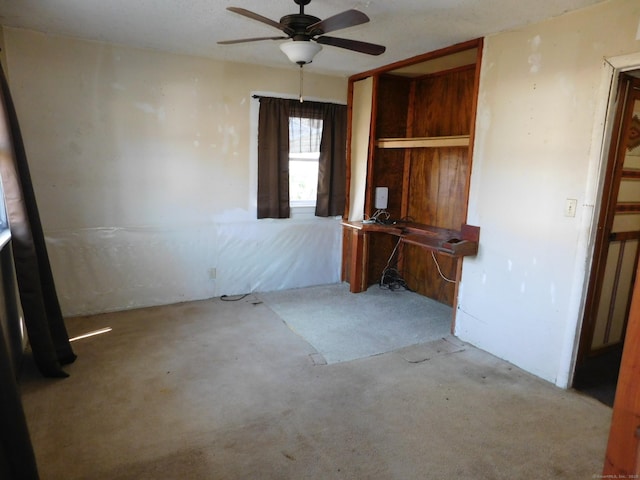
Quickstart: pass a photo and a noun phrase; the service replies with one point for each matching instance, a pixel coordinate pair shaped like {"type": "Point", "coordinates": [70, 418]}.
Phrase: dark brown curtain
{"type": "Point", "coordinates": [332, 173]}
{"type": "Point", "coordinates": [17, 459]}
{"type": "Point", "coordinates": [42, 314]}
{"type": "Point", "coordinates": [273, 156]}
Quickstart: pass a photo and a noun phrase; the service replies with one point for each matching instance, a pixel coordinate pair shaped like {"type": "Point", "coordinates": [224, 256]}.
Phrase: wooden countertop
{"type": "Point", "coordinates": [454, 243]}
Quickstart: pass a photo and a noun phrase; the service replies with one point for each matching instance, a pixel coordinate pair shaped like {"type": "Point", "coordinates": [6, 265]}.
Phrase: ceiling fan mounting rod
{"type": "Point", "coordinates": [302, 3]}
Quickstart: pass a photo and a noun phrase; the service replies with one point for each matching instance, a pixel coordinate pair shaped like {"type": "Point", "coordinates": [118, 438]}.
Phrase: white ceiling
{"type": "Point", "coordinates": [406, 27]}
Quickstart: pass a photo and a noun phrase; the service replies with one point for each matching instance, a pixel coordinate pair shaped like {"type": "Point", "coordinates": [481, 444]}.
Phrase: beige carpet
{"type": "Point", "coordinates": [225, 390]}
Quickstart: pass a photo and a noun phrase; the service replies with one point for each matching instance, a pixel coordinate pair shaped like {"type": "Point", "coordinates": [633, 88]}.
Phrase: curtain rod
{"type": "Point", "coordinates": [312, 101]}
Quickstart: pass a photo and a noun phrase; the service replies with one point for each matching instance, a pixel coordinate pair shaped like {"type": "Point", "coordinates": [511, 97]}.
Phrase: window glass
{"type": "Point", "coordinates": [304, 152]}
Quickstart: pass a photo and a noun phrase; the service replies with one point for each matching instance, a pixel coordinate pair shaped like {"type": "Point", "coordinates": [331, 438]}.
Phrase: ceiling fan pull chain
{"type": "Point", "coordinates": [301, 84]}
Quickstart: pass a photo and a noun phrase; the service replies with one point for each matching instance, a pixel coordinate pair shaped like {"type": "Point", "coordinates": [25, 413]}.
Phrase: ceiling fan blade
{"type": "Point", "coordinates": [254, 16]}
{"type": "Point", "coordinates": [245, 40]}
{"type": "Point", "coordinates": [349, 18]}
{"type": "Point", "coordinates": [355, 45]}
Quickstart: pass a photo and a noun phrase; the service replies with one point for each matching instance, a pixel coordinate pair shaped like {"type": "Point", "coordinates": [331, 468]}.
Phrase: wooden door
{"type": "Point", "coordinates": [618, 239]}
{"type": "Point", "coordinates": [623, 457]}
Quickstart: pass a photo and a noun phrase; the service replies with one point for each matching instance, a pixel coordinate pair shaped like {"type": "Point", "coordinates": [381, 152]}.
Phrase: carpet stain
{"type": "Point", "coordinates": [289, 457]}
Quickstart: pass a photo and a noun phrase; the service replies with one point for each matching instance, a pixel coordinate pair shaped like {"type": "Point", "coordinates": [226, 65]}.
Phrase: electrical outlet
{"type": "Point", "coordinates": [570, 207]}
{"type": "Point", "coordinates": [382, 198]}
{"type": "Point", "coordinates": [212, 273]}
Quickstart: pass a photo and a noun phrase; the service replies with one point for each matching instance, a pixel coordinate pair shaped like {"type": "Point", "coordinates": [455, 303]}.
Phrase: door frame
{"type": "Point", "coordinates": [600, 145]}
{"type": "Point", "coordinates": [609, 191]}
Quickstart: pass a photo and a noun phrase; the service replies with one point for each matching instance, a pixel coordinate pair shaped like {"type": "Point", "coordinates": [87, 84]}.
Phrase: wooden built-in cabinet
{"type": "Point", "coordinates": [419, 145]}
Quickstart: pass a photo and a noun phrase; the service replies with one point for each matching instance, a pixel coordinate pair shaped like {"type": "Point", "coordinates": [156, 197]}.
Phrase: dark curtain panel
{"type": "Point", "coordinates": [17, 460]}
{"type": "Point", "coordinates": [42, 314]}
{"type": "Point", "coordinates": [273, 158]}
{"type": "Point", "coordinates": [332, 172]}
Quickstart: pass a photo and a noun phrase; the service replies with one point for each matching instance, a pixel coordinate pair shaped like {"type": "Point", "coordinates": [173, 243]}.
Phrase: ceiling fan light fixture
{"type": "Point", "coordinates": [300, 51]}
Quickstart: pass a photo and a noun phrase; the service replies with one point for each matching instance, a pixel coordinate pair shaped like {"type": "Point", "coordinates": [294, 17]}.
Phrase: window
{"type": "Point", "coordinates": [304, 155]}
{"type": "Point", "coordinates": [301, 157]}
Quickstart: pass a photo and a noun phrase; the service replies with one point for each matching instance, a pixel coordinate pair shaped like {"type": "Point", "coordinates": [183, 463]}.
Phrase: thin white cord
{"type": "Point", "coordinates": [301, 84]}
{"type": "Point", "coordinates": [393, 253]}
{"type": "Point", "coordinates": [380, 213]}
{"type": "Point", "coordinates": [433, 255]}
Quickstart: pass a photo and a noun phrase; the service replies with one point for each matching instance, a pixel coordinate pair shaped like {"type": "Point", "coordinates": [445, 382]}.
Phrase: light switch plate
{"type": "Point", "coordinates": [570, 207]}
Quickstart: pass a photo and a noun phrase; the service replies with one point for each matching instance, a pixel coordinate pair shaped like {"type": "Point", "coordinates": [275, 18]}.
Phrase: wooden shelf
{"type": "Point", "coordinates": [424, 142]}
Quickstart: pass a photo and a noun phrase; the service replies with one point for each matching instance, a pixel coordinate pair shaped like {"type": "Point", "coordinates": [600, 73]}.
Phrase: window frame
{"type": "Point", "coordinates": [305, 157]}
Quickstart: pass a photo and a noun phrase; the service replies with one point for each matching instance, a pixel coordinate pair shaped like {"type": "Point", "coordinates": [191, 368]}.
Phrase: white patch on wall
{"type": "Point", "coordinates": [638, 32]}
{"type": "Point", "coordinates": [145, 107]}
{"type": "Point", "coordinates": [151, 110]}
{"type": "Point", "coordinates": [535, 59]}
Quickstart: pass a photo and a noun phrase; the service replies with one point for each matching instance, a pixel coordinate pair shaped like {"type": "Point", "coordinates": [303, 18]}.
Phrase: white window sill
{"type": "Point", "coordinates": [303, 211]}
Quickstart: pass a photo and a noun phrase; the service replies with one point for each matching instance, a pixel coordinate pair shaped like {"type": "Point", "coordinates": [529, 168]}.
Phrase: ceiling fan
{"type": "Point", "coordinates": [307, 31]}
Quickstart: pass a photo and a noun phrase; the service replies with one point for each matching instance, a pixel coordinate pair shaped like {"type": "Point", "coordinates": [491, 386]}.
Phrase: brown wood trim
{"type": "Point", "coordinates": [357, 276]}
{"type": "Point", "coordinates": [623, 449]}
{"type": "Point", "coordinates": [628, 207]}
{"type": "Point", "coordinates": [459, 47]}
{"type": "Point", "coordinates": [630, 173]}
{"type": "Point", "coordinates": [624, 236]}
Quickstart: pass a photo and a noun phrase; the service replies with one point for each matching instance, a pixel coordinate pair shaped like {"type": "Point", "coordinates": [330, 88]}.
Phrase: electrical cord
{"type": "Point", "coordinates": [433, 255]}
{"type": "Point", "coordinates": [391, 278]}
{"type": "Point", "coordinates": [379, 216]}
{"type": "Point", "coordinates": [233, 298]}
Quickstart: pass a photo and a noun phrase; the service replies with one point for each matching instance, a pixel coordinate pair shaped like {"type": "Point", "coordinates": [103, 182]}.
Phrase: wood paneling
{"type": "Point", "coordinates": [421, 274]}
{"type": "Point", "coordinates": [388, 171]}
{"type": "Point", "coordinates": [382, 246]}
{"type": "Point", "coordinates": [437, 186]}
{"type": "Point", "coordinates": [393, 95]}
{"type": "Point", "coordinates": [443, 104]}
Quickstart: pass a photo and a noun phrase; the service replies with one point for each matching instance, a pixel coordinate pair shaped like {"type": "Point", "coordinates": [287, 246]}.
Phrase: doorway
{"type": "Point", "coordinates": [616, 252]}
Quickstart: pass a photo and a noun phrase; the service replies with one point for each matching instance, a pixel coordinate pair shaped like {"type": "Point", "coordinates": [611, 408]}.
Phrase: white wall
{"type": "Point", "coordinates": [143, 165]}
{"type": "Point", "coordinates": [539, 132]}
